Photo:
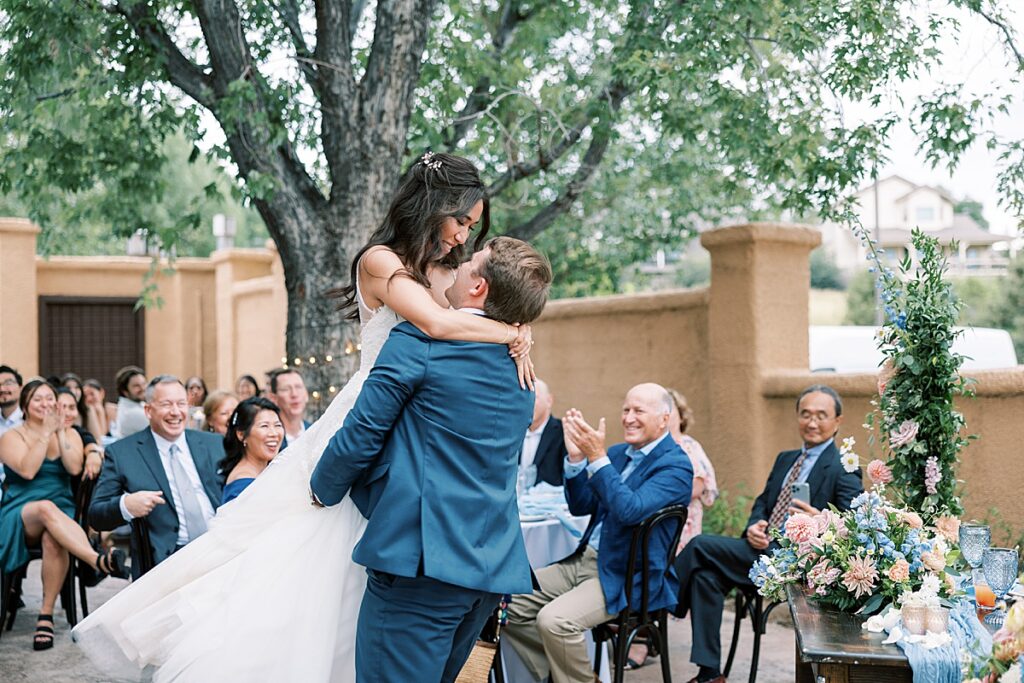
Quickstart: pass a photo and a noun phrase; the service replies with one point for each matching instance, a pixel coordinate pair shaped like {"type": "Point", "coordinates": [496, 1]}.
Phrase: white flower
{"type": "Point", "coordinates": [851, 461]}
{"type": "Point", "coordinates": [1012, 674]}
{"type": "Point", "coordinates": [847, 446]}
{"type": "Point", "coordinates": [930, 585]}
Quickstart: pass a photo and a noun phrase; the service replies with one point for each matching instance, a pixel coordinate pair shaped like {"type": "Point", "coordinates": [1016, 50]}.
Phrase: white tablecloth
{"type": "Point", "coordinates": [546, 542]}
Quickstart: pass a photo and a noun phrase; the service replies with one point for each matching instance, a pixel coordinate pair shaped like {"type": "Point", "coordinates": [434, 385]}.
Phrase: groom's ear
{"type": "Point", "coordinates": [481, 288]}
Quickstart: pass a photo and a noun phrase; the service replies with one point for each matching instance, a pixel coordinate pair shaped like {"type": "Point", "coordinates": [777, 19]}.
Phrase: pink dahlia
{"type": "Point", "coordinates": [860, 577]}
{"type": "Point", "coordinates": [911, 519]}
{"type": "Point", "coordinates": [949, 527]}
{"type": "Point", "coordinates": [899, 571]}
{"type": "Point", "coordinates": [801, 528]}
{"type": "Point", "coordinates": [879, 472]}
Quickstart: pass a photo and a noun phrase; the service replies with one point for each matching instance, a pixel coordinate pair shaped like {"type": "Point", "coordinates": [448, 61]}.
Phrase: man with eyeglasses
{"type": "Point", "coordinates": [165, 473]}
{"type": "Point", "coordinates": [289, 392]}
{"type": "Point", "coordinates": [10, 414]}
{"type": "Point", "coordinates": [710, 566]}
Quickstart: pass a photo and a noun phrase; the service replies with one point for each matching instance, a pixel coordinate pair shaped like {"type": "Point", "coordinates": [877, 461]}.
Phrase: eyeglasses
{"type": "Point", "coordinates": [9, 383]}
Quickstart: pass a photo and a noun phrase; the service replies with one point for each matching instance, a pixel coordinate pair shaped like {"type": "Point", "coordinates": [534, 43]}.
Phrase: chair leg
{"type": "Point", "coordinates": [83, 598]}
{"type": "Point", "coordinates": [759, 618]}
{"type": "Point", "coordinates": [497, 668]}
{"type": "Point", "coordinates": [68, 597]}
{"type": "Point", "coordinates": [741, 609]}
{"type": "Point", "coordinates": [666, 668]}
{"type": "Point", "coordinates": [622, 643]}
{"type": "Point", "coordinates": [14, 596]}
{"type": "Point", "coordinates": [598, 653]}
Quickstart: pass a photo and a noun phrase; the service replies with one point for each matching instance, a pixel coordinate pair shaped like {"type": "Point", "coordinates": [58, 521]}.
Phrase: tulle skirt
{"type": "Point", "coordinates": [269, 593]}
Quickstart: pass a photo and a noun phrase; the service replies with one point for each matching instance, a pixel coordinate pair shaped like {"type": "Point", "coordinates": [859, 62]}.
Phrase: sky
{"type": "Point", "coordinates": [975, 56]}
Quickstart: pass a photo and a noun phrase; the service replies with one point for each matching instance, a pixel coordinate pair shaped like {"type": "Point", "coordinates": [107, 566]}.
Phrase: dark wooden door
{"type": "Point", "coordinates": [90, 336]}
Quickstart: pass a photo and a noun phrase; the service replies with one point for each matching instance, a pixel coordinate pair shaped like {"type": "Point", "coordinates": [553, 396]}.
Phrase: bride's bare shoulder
{"type": "Point", "coordinates": [380, 261]}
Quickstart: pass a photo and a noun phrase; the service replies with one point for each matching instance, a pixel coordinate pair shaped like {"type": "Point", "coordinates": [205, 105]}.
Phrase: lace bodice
{"type": "Point", "coordinates": [376, 325]}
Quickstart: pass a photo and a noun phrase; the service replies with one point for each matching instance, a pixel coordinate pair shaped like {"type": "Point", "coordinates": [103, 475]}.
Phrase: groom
{"type": "Point", "coordinates": [429, 453]}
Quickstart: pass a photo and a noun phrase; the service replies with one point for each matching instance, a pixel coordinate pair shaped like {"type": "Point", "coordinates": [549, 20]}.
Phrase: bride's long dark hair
{"type": "Point", "coordinates": [437, 186]}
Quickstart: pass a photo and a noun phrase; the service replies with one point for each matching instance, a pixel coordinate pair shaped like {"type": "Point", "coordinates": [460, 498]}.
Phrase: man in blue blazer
{"type": "Point", "coordinates": [711, 566]}
{"type": "Point", "coordinates": [619, 490]}
{"type": "Point", "coordinates": [164, 473]}
{"type": "Point", "coordinates": [428, 453]}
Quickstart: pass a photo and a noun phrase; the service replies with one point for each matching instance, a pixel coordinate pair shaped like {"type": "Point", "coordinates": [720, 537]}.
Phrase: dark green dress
{"type": "Point", "coordinates": [52, 482]}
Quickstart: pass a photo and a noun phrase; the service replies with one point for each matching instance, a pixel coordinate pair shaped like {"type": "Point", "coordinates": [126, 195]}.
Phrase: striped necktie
{"type": "Point", "coordinates": [781, 509]}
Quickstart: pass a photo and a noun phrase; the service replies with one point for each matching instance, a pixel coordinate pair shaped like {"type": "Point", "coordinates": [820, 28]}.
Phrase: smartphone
{"type": "Point", "coordinates": [801, 491]}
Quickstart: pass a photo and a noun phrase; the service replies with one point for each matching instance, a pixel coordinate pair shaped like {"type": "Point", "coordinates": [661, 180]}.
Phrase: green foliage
{"type": "Point", "coordinates": [1008, 310]}
{"type": "Point", "coordinates": [981, 299]}
{"type": "Point", "coordinates": [825, 274]}
{"type": "Point", "coordinates": [921, 312]}
{"type": "Point", "coordinates": [729, 514]}
{"type": "Point", "coordinates": [972, 208]}
{"type": "Point", "coordinates": [861, 300]}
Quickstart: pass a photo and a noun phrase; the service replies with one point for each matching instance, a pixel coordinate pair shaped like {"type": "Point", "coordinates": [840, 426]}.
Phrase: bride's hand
{"type": "Point", "coordinates": [521, 345]}
{"type": "Point", "coordinates": [527, 375]}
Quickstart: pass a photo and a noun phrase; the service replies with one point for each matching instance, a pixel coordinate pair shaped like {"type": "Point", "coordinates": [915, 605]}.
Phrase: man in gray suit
{"type": "Point", "coordinates": [164, 473]}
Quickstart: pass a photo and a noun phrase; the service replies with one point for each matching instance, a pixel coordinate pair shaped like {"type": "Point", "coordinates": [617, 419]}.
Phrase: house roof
{"type": "Point", "coordinates": [937, 190]}
{"type": "Point", "coordinates": [869, 186]}
{"type": "Point", "coordinates": [964, 231]}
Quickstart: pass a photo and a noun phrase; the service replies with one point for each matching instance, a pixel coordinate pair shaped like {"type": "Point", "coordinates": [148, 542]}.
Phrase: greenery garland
{"type": "Point", "coordinates": [916, 421]}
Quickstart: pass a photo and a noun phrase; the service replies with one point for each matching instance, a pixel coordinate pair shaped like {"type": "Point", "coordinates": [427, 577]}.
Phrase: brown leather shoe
{"type": "Point", "coordinates": [717, 679]}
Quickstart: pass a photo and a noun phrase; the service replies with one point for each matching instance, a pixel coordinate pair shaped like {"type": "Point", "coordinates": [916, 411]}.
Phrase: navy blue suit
{"type": "Point", "coordinates": [664, 477]}
{"type": "Point", "coordinates": [429, 454]}
{"type": "Point", "coordinates": [133, 464]}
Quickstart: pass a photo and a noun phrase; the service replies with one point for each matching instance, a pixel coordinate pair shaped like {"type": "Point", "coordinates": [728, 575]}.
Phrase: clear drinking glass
{"type": "Point", "coordinates": [1000, 568]}
{"type": "Point", "coordinates": [974, 541]}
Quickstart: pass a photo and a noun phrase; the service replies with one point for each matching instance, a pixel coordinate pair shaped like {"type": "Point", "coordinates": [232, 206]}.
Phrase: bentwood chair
{"type": "Point", "coordinates": [622, 630]}
{"type": "Point", "coordinates": [141, 545]}
{"type": "Point", "coordinates": [749, 603]}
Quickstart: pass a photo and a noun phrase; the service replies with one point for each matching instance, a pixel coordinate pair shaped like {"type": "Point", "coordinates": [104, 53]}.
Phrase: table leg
{"type": "Point", "coordinates": [804, 671]}
{"type": "Point", "coordinates": [833, 673]}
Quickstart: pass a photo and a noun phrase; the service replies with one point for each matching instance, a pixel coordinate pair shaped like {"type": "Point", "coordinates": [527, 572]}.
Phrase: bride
{"type": "Point", "coordinates": [270, 592]}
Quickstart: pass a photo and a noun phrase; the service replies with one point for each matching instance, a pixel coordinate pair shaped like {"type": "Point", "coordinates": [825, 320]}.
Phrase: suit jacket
{"type": "Point", "coordinates": [430, 447]}
{"type": "Point", "coordinates": [664, 477]}
{"type": "Point", "coordinates": [828, 483]}
{"type": "Point", "coordinates": [551, 453]}
{"type": "Point", "coordinates": [133, 464]}
{"type": "Point", "coordinates": [284, 442]}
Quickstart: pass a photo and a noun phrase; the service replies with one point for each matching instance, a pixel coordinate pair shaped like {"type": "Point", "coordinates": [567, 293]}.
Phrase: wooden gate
{"type": "Point", "coordinates": [90, 336]}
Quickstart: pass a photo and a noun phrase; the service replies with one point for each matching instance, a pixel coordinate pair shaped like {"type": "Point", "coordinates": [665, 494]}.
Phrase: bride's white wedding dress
{"type": "Point", "coordinates": [269, 593]}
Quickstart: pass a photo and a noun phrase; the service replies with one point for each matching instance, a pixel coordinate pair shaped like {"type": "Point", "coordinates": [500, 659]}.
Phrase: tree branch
{"type": "Point", "coordinates": [600, 140]}
{"type": "Point", "coordinates": [289, 12]}
{"type": "Point", "coordinates": [512, 15]}
{"type": "Point", "coordinates": [337, 83]}
{"type": "Point", "coordinates": [1007, 34]}
{"type": "Point", "coordinates": [181, 72]}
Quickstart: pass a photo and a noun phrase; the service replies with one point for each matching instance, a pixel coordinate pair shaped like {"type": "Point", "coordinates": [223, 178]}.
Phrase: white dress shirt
{"type": "Point", "coordinates": [530, 444]}
{"type": "Point", "coordinates": [164, 447]}
{"type": "Point", "coordinates": [12, 421]}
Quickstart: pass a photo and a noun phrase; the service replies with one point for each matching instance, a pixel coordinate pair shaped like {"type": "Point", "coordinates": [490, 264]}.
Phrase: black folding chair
{"type": "Point", "coordinates": [141, 545]}
{"type": "Point", "coordinates": [83, 497]}
{"type": "Point", "coordinates": [623, 629]}
{"type": "Point", "coordinates": [749, 603]}
{"type": "Point", "coordinates": [11, 588]}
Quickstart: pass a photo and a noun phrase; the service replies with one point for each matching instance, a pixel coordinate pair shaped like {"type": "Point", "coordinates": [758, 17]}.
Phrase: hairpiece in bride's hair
{"type": "Point", "coordinates": [430, 162]}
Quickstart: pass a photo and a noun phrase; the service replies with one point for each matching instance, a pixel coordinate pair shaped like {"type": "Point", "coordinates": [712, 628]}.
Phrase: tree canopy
{"type": "Point", "coordinates": [605, 128]}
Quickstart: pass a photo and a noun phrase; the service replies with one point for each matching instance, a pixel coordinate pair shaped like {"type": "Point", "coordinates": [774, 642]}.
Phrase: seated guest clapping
{"type": "Point", "coordinates": [254, 437]}
{"type": "Point", "coordinates": [40, 457]}
{"type": "Point", "coordinates": [711, 566]}
{"type": "Point", "coordinates": [619, 490]}
{"type": "Point", "coordinates": [165, 473]}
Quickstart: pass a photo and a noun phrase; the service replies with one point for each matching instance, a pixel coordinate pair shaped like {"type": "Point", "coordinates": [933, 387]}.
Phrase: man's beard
{"type": "Point", "coordinates": [8, 404]}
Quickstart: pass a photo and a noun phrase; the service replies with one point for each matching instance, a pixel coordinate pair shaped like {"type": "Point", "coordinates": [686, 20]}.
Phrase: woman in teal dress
{"type": "Point", "coordinates": [39, 459]}
{"type": "Point", "coordinates": [255, 434]}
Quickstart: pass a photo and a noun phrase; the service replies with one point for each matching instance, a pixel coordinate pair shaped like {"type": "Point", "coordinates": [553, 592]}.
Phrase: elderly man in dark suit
{"type": "Point", "coordinates": [710, 566]}
{"type": "Point", "coordinates": [165, 473]}
{"type": "Point", "coordinates": [544, 443]}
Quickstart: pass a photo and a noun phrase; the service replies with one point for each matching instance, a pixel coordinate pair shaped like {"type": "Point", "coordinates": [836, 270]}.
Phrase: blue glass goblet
{"type": "Point", "coordinates": [1000, 568]}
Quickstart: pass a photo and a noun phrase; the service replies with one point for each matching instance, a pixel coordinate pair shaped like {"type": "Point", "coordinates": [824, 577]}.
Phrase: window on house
{"type": "Point", "coordinates": [924, 214]}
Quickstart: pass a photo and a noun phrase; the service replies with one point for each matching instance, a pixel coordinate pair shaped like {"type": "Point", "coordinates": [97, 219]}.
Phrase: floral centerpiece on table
{"type": "Point", "coordinates": [1003, 664]}
{"type": "Point", "coordinates": [860, 559]}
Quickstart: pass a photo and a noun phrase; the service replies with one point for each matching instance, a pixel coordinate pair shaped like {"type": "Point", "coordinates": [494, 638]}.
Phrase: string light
{"type": "Point", "coordinates": [312, 360]}
{"type": "Point", "coordinates": [297, 362]}
{"type": "Point", "coordinates": [328, 358]}
{"type": "Point", "coordinates": [316, 395]}
{"type": "Point", "coordinates": [333, 389]}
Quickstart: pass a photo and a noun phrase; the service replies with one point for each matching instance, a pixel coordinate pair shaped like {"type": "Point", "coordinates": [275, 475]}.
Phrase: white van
{"type": "Point", "coordinates": [854, 348]}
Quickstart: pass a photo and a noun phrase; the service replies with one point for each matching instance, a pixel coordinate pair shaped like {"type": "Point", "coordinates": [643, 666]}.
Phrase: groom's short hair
{"type": "Point", "coordinates": [518, 279]}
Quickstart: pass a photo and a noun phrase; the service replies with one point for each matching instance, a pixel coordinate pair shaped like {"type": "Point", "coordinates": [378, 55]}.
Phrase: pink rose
{"type": "Point", "coordinates": [904, 434]}
{"type": "Point", "coordinates": [879, 472]}
{"type": "Point", "coordinates": [911, 519]}
{"type": "Point", "coordinates": [933, 561]}
{"type": "Point", "coordinates": [949, 527]}
{"type": "Point", "coordinates": [824, 518]}
{"type": "Point", "coordinates": [801, 528]}
{"type": "Point", "coordinates": [899, 571]}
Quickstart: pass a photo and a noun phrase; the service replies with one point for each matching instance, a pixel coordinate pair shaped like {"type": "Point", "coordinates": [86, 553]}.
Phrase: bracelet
{"type": "Point", "coordinates": [510, 334]}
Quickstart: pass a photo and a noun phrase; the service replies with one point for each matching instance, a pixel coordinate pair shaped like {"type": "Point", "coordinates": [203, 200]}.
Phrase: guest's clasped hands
{"type": "Point", "coordinates": [582, 440]}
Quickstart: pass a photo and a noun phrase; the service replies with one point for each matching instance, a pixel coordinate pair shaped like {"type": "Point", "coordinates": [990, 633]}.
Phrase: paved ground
{"type": "Point", "coordinates": [65, 664]}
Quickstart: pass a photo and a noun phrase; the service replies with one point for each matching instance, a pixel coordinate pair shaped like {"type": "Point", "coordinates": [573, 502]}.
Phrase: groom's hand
{"type": "Point", "coordinates": [586, 440]}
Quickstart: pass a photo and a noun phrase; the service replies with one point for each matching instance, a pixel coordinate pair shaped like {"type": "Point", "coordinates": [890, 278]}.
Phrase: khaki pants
{"type": "Point", "coordinates": [548, 627]}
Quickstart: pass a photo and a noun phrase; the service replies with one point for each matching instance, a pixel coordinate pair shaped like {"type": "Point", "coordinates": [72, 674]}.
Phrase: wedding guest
{"type": "Point", "coordinates": [253, 439]}
{"type": "Point", "coordinates": [94, 396]}
{"type": "Point", "coordinates": [131, 390]}
{"type": "Point", "coordinates": [73, 382]}
{"type": "Point", "coordinates": [217, 410]}
{"type": "Point", "coordinates": [544, 443]}
{"type": "Point", "coordinates": [705, 485]}
{"type": "Point", "coordinates": [67, 408]}
{"type": "Point", "coordinates": [619, 488]}
{"type": "Point", "coordinates": [10, 414]}
{"type": "Point", "coordinates": [246, 387]}
{"type": "Point", "coordinates": [711, 566]}
{"type": "Point", "coordinates": [195, 387]}
{"type": "Point", "coordinates": [40, 456]}
{"type": "Point", "coordinates": [288, 391]}
{"type": "Point", "coordinates": [164, 473]}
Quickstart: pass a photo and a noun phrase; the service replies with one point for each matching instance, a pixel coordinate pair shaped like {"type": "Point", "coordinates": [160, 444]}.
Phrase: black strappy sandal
{"type": "Point", "coordinates": [112, 563]}
{"type": "Point", "coordinates": [42, 639]}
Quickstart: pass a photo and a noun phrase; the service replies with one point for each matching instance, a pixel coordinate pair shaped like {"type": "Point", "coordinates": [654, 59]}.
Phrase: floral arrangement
{"type": "Point", "coordinates": [916, 421]}
{"type": "Point", "coordinates": [863, 558]}
{"type": "Point", "coordinates": [1003, 665]}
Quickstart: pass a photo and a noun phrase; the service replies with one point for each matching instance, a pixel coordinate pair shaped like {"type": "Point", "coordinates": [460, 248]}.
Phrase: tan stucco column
{"type": "Point", "coordinates": [19, 308]}
{"type": "Point", "coordinates": [757, 324]}
{"type": "Point", "coordinates": [230, 267]}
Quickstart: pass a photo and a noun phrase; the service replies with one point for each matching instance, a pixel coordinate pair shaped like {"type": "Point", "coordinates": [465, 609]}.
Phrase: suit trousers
{"type": "Point", "coordinates": [548, 627]}
{"type": "Point", "coordinates": [417, 629]}
{"type": "Point", "coordinates": [708, 568]}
